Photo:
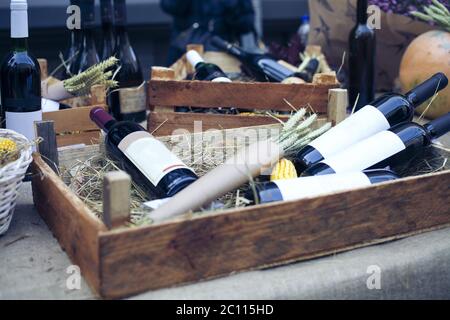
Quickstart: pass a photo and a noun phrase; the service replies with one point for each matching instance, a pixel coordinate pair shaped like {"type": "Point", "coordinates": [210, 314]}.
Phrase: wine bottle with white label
{"type": "Point", "coordinates": [306, 187]}
{"type": "Point", "coordinates": [151, 165]}
{"type": "Point", "coordinates": [394, 148]}
{"type": "Point", "coordinates": [205, 71]}
{"type": "Point", "coordinates": [130, 102]}
{"type": "Point", "coordinates": [385, 112]}
{"type": "Point", "coordinates": [20, 78]}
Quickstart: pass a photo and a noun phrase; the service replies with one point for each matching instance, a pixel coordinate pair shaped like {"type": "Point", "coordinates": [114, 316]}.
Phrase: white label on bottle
{"type": "Point", "coordinates": [366, 153]}
{"type": "Point", "coordinates": [23, 122]}
{"type": "Point", "coordinates": [361, 125]}
{"type": "Point", "coordinates": [133, 100]}
{"type": "Point", "coordinates": [150, 156]}
{"type": "Point", "coordinates": [295, 189]}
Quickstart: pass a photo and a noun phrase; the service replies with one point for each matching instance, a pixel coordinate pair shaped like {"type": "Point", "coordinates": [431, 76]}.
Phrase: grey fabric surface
{"type": "Point", "coordinates": [33, 266]}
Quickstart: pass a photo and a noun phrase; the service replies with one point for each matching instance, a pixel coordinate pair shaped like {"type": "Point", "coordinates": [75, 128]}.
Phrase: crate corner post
{"type": "Point", "coordinates": [337, 105]}
{"type": "Point", "coordinates": [116, 199]}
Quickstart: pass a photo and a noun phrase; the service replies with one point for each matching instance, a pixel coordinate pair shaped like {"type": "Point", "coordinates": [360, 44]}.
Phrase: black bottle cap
{"type": "Point", "coordinates": [312, 66]}
{"type": "Point", "coordinates": [427, 89]}
{"type": "Point", "coordinates": [439, 127]}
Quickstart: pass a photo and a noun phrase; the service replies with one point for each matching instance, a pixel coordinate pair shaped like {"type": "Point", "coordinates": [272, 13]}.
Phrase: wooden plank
{"type": "Point", "coordinates": [164, 74]}
{"type": "Point", "coordinates": [48, 147]}
{"type": "Point", "coordinates": [165, 124]}
{"type": "Point", "coordinates": [260, 96]}
{"type": "Point", "coordinates": [72, 223]}
{"type": "Point", "coordinates": [116, 199]}
{"type": "Point", "coordinates": [181, 251]}
{"type": "Point", "coordinates": [87, 138]}
{"type": "Point", "coordinates": [98, 95]}
{"type": "Point", "coordinates": [71, 120]}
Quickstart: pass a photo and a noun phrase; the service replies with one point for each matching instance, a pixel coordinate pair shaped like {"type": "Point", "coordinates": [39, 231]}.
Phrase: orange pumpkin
{"type": "Point", "coordinates": [426, 55]}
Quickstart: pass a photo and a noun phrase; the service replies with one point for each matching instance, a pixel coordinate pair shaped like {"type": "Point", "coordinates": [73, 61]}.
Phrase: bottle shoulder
{"type": "Point", "coordinates": [17, 58]}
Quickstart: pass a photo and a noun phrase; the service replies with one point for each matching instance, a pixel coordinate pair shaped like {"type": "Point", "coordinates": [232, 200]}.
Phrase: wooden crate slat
{"type": "Point", "coordinates": [87, 138]}
{"type": "Point", "coordinates": [186, 251]}
{"type": "Point", "coordinates": [167, 123]}
{"type": "Point", "coordinates": [260, 96]}
{"type": "Point", "coordinates": [70, 220]}
{"type": "Point", "coordinates": [76, 119]}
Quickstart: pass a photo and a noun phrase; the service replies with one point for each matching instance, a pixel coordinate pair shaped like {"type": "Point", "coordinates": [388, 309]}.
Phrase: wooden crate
{"type": "Point", "coordinates": [167, 90]}
{"type": "Point", "coordinates": [119, 262]}
{"type": "Point", "coordinates": [73, 126]}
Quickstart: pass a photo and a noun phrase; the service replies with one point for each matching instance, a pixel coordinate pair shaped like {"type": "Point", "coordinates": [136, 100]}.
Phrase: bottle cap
{"type": "Point", "coordinates": [427, 89]}
{"type": "Point", "coordinates": [194, 58]}
{"type": "Point", "coordinates": [19, 5]}
{"type": "Point", "coordinates": [437, 128]}
{"type": "Point", "coordinates": [100, 117]}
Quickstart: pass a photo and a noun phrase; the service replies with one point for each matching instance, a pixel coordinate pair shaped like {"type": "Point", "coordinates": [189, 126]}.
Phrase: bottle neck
{"type": "Point", "coordinates": [122, 38]}
{"type": "Point", "coordinates": [120, 13]}
{"type": "Point", "coordinates": [89, 38]}
{"type": "Point", "coordinates": [362, 12]}
{"type": "Point", "coordinates": [107, 12]}
{"type": "Point", "coordinates": [427, 89]}
{"type": "Point", "coordinates": [20, 44]}
{"type": "Point", "coordinates": [438, 127]}
{"type": "Point", "coordinates": [102, 119]}
{"type": "Point", "coordinates": [19, 20]}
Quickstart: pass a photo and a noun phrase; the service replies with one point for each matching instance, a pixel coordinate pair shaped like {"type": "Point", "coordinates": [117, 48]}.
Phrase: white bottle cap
{"type": "Point", "coordinates": [194, 58]}
{"type": "Point", "coordinates": [19, 19]}
{"type": "Point", "coordinates": [19, 5]}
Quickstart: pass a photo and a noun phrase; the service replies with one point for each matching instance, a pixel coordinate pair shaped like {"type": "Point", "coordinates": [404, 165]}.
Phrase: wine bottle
{"type": "Point", "coordinates": [130, 102]}
{"type": "Point", "coordinates": [394, 148]}
{"type": "Point", "coordinates": [382, 114]}
{"type": "Point", "coordinates": [106, 9]}
{"type": "Point", "coordinates": [151, 165]}
{"type": "Point", "coordinates": [362, 42]}
{"type": "Point", "coordinates": [20, 77]}
{"type": "Point", "coordinates": [306, 187]}
{"type": "Point", "coordinates": [88, 55]}
{"type": "Point", "coordinates": [262, 66]}
{"type": "Point", "coordinates": [205, 71]}
{"type": "Point", "coordinates": [310, 70]}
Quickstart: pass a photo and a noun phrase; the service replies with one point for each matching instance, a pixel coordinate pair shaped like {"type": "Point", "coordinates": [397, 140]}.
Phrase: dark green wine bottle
{"type": "Point", "coordinates": [20, 80]}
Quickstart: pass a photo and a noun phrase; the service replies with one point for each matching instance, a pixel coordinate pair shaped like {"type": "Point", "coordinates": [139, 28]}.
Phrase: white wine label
{"type": "Point", "coordinates": [366, 153]}
{"type": "Point", "coordinates": [150, 156]}
{"type": "Point", "coordinates": [133, 100]}
{"type": "Point", "coordinates": [301, 188]}
{"type": "Point", "coordinates": [23, 122]}
{"type": "Point", "coordinates": [361, 125]}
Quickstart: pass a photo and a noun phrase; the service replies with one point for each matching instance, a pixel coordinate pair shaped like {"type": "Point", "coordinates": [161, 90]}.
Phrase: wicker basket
{"type": "Point", "coordinates": [11, 177]}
